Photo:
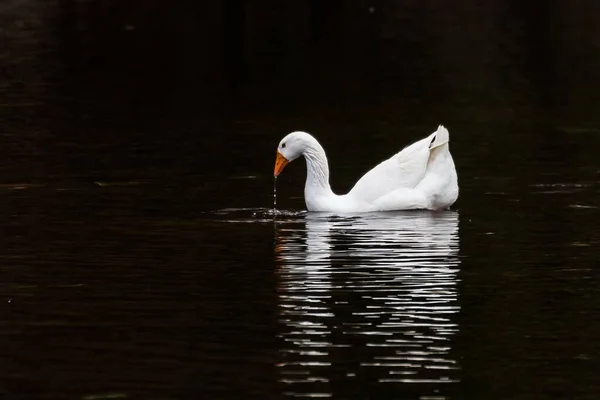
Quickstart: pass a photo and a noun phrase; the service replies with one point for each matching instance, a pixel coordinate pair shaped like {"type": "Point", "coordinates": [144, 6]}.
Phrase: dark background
{"type": "Point", "coordinates": [123, 73]}
{"type": "Point", "coordinates": [125, 125]}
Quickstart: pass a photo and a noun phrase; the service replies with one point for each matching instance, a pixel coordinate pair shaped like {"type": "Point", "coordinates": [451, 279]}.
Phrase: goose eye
{"type": "Point", "coordinates": [283, 145]}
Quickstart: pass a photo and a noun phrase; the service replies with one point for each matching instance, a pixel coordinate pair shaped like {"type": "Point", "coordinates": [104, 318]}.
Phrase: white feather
{"type": "Point", "coordinates": [421, 176]}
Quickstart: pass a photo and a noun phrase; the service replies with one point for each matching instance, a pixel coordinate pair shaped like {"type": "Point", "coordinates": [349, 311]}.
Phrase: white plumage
{"type": "Point", "coordinates": [421, 176]}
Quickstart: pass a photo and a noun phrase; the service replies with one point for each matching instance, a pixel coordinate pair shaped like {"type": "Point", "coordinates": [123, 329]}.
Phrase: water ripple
{"type": "Point", "coordinates": [367, 300]}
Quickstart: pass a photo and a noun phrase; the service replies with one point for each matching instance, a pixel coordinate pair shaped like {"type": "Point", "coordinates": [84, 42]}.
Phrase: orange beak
{"type": "Point", "coordinates": [280, 163]}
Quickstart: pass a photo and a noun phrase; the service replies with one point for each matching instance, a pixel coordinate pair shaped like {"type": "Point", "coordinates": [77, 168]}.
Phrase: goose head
{"type": "Point", "coordinates": [291, 147]}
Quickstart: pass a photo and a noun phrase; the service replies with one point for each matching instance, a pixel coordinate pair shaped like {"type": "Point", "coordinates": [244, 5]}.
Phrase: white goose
{"type": "Point", "coordinates": [421, 176]}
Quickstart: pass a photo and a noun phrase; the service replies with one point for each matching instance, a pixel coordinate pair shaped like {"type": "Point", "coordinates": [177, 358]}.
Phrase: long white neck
{"type": "Point", "coordinates": [317, 171]}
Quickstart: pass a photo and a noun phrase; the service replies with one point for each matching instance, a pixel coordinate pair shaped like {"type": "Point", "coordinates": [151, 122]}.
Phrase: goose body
{"type": "Point", "coordinates": [421, 176]}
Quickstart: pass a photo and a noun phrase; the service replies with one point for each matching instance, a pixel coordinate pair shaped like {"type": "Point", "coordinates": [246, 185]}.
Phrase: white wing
{"type": "Point", "coordinates": [403, 170]}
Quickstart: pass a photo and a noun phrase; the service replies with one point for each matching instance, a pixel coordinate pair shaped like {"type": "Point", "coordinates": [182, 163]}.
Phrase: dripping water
{"type": "Point", "coordinates": [274, 195]}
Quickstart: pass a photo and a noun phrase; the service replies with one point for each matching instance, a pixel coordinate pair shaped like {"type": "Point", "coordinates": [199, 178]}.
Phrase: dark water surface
{"type": "Point", "coordinates": [154, 289]}
{"type": "Point", "coordinates": [140, 257]}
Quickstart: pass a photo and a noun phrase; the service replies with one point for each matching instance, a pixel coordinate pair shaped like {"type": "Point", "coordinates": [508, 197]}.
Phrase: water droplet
{"type": "Point", "coordinates": [274, 194]}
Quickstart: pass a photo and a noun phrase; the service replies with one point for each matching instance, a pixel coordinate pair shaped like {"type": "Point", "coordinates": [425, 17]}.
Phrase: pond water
{"type": "Point", "coordinates": [167, 288]}
{"type": "Point", "coordinates": [140, 257]}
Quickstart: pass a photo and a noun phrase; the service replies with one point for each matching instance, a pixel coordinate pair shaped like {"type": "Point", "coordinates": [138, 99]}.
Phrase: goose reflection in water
{"type": "Point", "coordinates": [367, 302]}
